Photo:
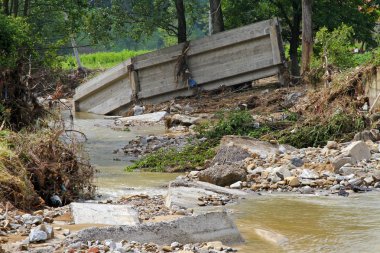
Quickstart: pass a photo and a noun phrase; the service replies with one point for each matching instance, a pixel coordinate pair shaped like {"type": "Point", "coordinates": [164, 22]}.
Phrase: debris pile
{"type": "Point", "coordinates": [142, 145]}
{"type": "Point", "coordinates": [132, 246]}
{"type": "Point", "coordinates": [57, 170]}
{"type": "Point", "coordinates": [148, 207]}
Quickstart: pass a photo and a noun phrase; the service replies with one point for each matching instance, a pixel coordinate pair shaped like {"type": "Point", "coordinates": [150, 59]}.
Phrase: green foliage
{"type": "Point", "coordinates": [142, 18]}
{"type": "Point", "coordinates": [101, 60]}
{"type": "Point", "coordinates": [362, 59]}
{"type": "Point", "coordinates": [260, 131]}
{"type": "Point", "coordinates": [15, 41]}
{"type": "Point", "coordinates": [340, 127]}
{"type": "Point", "coordinates": [376, 57]}
{"type": "Point", "coordinates": [189, 158]}
{"type": "Point", "coordinates": [336, 45]}
{"type": "Point", "coordinates": [230, 123]}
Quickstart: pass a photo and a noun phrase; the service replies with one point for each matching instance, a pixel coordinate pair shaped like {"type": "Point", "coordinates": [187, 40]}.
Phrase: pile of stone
{"type": "Point", "coordinates": [16, 222]}
{"type": "Point", "coordinates": [147, 144]}
{"type": "Point", "coordinates": [148, 207]}
{"type": "Point", "coordinates": [216, 200]}
{"type": "Point", "coordinates": [335, 168]}
{"type": "Point", "coordinates": [132, 246]}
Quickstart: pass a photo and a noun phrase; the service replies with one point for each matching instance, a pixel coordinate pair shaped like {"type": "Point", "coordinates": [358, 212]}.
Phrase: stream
{"type": "Point", "coordinates": [311, 223]}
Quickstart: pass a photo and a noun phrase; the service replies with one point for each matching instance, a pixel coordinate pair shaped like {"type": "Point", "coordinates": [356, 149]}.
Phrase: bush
{"type": "Point", "coordinates": [340, 127]}
{"type": "Point", "coordinates": [337, 45]}
{"type": "Point", "coordinates": [230, 123]}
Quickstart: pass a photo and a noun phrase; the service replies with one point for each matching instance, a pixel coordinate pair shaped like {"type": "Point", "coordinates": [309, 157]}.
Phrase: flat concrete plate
{"type": "Point", "coordinates": [149, 117]}
{"type": "Point", "coordinates": [89, 213]}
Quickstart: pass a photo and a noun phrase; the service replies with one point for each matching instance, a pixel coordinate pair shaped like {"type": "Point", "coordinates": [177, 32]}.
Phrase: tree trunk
{"type": "Point", "coordinates": [307, 34]}
{"type": "Point", "coordinates": [76, 54]}
{"type": "Point", "coordinates": [180, 8]}
{"type": "Point", "coordinates": [216, 16]}
{"type": "Point", "coordinates": [6, 7]}
{"type": "Point", "coordinates": [15, 8]}
{"type": "Point", "coordinates": [295, 40]}
{"type": "Point", "coordinates": [26, 7]}
{"type": "Point", "coordinates": [10, 10]}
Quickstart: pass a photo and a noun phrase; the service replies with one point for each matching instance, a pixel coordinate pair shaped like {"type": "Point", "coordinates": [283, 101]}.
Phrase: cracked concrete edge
{"type": "Point", "coordinates": [213, 226]}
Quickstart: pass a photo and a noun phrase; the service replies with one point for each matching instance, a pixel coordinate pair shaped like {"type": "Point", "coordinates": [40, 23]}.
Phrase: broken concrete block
{"type": "Point", "coordinates": [148, 117]}
{"type": "Point", "coordinates": [214, 226]}
{"type": "Point", "coordinates": [90, 213]}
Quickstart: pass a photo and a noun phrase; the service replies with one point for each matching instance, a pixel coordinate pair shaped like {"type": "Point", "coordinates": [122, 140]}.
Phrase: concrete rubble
{"type": "Point", "coordinates": [188, 229]}
{"type": "Point", "coordinates": [106, 214]}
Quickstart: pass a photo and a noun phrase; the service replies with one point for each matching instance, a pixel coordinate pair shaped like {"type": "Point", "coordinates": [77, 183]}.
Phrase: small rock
{"type": "Point", "coordinates": [167, 248]}
{"type": "Point", "coordinates": [175, 245]}
{"type": "Point", "coordinates": [93, 250]}
{"type": "Point", "coordinates": [339, 161]}
{"type": "Point", "coordinates": [292, 181]}
{"type": "Point", "coordinates": [298, 162]}
{"type": "Point", "coordinates": [37, 235]}
{"type": "Point", "coordinates": [369, 180]}
{"type": "Point", "coordinates": [332, 145]}
{"type": "Point", "coordinates": [138, 110]}
{"type": "Point", "coordinates": [306, 190]}
{"type": "Point", "coordinates": [236, 185]}
{"type": "Point", "coordinates": [342, 192]}
{"type": "Point", "coordinates": [309, 174]}
{"type": "Point", "coordinates": [355, 181]}
{"type": "Point", "coordinates": [66, 232]}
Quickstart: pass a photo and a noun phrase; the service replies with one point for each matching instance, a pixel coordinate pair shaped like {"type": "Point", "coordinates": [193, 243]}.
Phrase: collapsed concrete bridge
{"type": "Point", "coordinates": [233, 57]}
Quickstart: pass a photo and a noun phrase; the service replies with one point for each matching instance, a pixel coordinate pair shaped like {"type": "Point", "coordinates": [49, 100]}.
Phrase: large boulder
{"type": "Point", "coordinates": [358, 151]}
{"type": "Point", "coordinates": [223, 174]}
{"type": "Point", "coordinates": [355, 152]}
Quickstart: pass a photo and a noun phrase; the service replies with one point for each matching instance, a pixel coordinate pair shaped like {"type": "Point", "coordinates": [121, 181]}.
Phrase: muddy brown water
{"type": "Point", "coordinates": [111, 179]}
{"type": "Point", "coordinates": [311, 223]}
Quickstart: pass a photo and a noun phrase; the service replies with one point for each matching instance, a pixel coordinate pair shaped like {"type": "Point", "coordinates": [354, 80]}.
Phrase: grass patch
{"type": "Point", "coordinates": [189, 158]}
{"type": "Point", "coordinates": [340, 127]}
{"type": "Point", "coordinates": [101, 60]}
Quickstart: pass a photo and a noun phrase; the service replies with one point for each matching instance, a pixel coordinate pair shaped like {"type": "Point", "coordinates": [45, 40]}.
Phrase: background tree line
{"type": "Point", "coordinates": [41, 29]}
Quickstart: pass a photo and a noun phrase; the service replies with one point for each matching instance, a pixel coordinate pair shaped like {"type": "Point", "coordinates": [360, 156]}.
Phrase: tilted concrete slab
{"type": "Point", "coordinates": [148, 117]}
{"type": "Point", "coordinates": [228, 58]}
{"type": "Point", "coordinates": [215, 226]}
{"type": "Point", "coordinates": [90, 213]}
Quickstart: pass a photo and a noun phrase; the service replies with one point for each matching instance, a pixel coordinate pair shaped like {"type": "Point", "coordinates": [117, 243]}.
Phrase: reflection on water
{"type": "Point", "coordinates": [312, 224]}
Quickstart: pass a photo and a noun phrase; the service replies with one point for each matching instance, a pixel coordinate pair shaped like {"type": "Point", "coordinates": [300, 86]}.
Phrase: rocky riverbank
{"type": "Point", "coordinates": [257, 166]}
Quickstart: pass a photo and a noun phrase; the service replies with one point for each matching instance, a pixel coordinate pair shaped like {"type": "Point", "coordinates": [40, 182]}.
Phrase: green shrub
{"type": "Point", "coordinates": [337, 45]}
{"type": "Point", "coordinates": [230, 123]}
{"type": "Point", "coordinates": [340, 127]}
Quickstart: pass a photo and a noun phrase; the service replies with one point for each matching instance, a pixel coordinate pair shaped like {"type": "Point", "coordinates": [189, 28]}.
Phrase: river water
{"type": "Point", "coordinates": [311, 223]}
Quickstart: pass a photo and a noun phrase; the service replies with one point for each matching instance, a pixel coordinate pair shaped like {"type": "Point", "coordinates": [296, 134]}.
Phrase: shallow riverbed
{"type": "Point", "coordinates": [312, 224]}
